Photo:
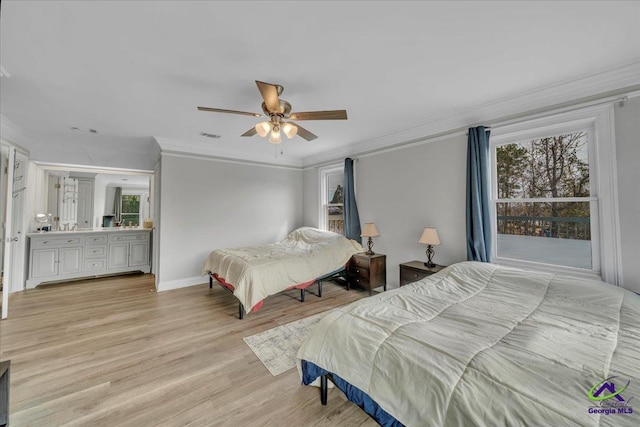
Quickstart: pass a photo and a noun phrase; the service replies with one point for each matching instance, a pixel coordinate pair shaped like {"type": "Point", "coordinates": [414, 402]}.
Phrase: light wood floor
{"type": "Point", "coordinates": [114, 352]}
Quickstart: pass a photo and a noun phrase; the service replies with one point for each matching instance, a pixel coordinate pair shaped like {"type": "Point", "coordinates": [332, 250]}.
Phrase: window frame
{"type": "Point", "coordinates": [603, 199]}
{"type": "Point", "coordinates": [140, 195]}
{"type": "Point", "coordinates": [324, 174]}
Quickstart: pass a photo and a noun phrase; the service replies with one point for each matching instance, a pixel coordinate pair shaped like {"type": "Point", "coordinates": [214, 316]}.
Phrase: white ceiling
{"type": "Point", "coordinates": [133, 70]}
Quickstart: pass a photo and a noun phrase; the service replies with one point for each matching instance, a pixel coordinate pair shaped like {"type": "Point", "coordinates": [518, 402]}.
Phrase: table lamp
{"type": "Point", "coordinates": [370, 231]}
{"type": "Point", "coordinates": [430, 238]}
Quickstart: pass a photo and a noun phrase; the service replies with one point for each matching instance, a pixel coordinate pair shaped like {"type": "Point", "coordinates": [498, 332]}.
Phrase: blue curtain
{"type": "Point", "coordinates": [478, 199]}
{"type": "Point", "coordinates": [351, 217]}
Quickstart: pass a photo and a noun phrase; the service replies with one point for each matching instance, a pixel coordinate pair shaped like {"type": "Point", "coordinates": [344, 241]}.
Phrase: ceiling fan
{"type": "Point", "coordinates": [279, 113]}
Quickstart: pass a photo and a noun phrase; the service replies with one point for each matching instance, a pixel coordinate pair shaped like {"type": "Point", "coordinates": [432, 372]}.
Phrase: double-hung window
{"type": "Point", "coordinates": [130, 215]}
{"type": "Point", "coordinates": [332, 199]}
{"type": "Point", "coordinates": [554, 194]}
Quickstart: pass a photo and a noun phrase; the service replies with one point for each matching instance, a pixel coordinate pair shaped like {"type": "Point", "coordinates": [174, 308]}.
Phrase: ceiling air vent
{"type": "Point", "coordinates": [209, 135]}
{"type": "Point", "coordinates": [79, 129]}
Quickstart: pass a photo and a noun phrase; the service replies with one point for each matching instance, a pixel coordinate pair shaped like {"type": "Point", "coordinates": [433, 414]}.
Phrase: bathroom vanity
{"type": "Point", "coordinates": [64, 255]}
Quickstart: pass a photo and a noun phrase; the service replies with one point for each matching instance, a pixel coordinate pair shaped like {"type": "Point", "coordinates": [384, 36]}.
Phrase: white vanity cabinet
{"type": "Point", "coordinates": [56, 256]}
{"type": "Point", "coordinates": [59, 255]}
{"type": "Point", "coordinates": [128, 250]}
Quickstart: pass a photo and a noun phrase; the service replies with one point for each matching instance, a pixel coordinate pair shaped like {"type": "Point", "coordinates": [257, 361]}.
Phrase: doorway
{"type": "Point", "coordinates": [13, 185]}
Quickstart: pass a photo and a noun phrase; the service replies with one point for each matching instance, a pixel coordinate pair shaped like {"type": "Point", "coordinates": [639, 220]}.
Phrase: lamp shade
{"type": "Point", "coordinates": [290, 130]}
{"type": "Point", "coordinates": [263, 128]}
{"type": "Point", "coordinates": [369, 230]}
{"type": "Point", "coordinates": [275, 136]}
{"type": "Point", "coordinates": [429, 237]}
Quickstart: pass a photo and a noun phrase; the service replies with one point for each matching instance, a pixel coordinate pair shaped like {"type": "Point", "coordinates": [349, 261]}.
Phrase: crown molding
{"type": "Point", "coordinates": [238, 161]}
{"type": "Point", "coordinates": [179, 147]}
{"type": "Point", "coordinates": [156, 150]}
{"type": "Point", "coordinates": [621, 77]}
{"type": "Point", "coordinates": [12, 133]}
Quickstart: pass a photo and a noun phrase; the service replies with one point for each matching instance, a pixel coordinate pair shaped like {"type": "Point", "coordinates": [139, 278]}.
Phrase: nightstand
{"type": "Point", "coordinates": [413, 271]}
{"type": "Point", "coordinates": [367, 271]}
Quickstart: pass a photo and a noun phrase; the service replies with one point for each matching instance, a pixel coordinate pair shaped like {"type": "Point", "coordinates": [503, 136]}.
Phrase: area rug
{"type": "Point", "coordinates": [277, 348]}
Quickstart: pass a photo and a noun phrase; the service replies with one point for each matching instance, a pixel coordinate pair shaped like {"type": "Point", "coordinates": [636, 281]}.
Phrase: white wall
{"type": "Point", "coordinates": [403, 191]}
{"type": "Point", "coordinates": [627, 130]}
{"type": "Point", "coordinates": [311, 197]}
{"type": "Point", "coordinates": [208, 204]}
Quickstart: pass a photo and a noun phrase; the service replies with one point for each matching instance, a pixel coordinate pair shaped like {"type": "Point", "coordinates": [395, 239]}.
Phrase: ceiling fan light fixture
{"type": "Point", "coordinates": [263, 128]}
{"type": "Point", "coordinates": [275, 138]}
{"type": "Point", "coordinates": [290, 130]}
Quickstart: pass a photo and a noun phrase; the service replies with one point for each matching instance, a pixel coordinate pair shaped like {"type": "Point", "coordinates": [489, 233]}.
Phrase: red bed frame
{"type": "Point", "coordinates": [302, 286]}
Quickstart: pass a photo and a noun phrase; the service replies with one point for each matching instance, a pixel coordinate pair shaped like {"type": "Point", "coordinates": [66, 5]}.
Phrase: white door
{"type": "Point", "coordinates": [19, 224]}
{"type": "Point", "coordinates": [85, 203]}
{"type": "Point", "coordinates": [8, 161]}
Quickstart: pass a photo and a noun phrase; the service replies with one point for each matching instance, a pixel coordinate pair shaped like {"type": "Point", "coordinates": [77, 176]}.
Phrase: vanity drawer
{"type": "Point", "coordinates": [128, 237]}
{"type": "Point", "coordinates": [95, 264]}
{"type": "Point", "coordinates": [95, 252]}
{"type": "Point", "coordinates": [57, 242]}
{"type": "Point", "coordinates": [97, 240]}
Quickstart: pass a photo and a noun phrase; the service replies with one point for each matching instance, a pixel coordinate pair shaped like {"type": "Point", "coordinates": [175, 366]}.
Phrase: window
{"type": "Point", "coordinates": [332, 199]}
{"type": "Point", "coordinates": [543, 199]}
{"type": "Point", "coordinates": [553, 198]}
{"type": "Point", "coordinates": [130, 210]}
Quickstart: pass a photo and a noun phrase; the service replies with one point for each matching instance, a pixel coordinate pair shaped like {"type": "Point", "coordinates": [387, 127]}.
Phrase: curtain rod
{"type": "Point", "coordinates": [514, 118]}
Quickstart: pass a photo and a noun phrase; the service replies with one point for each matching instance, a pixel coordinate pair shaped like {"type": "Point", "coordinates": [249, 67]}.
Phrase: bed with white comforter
{"type": "Point", "coordinates": [478, 344]}
{"type": "Point", "coordinates": [259, 271]}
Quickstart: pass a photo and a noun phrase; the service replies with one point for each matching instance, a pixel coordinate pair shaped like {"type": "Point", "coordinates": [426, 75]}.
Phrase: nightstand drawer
{"type": "Point", "coordinates": [359, 271]}
{"type": "Point", "coordinates": [416, 270]}
{"type": "Point", "coordinates": [359, 261]}
{"type": "Point", "coordinates": [409, 276]}
{"type": "Point", "coordinates": [360, 281]}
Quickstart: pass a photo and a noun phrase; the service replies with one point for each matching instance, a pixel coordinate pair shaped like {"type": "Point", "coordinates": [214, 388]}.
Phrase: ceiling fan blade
{"type": "Point", "coordinates": [250, 132]}
{"type": "Point", "coordinates": [220, 110]}
{"type": "Point", "coordinates": [302, 132]}
{"type": "Point", "coordinates": [320, 115]}
{"type": "Point", "coordinates": [269, 93]}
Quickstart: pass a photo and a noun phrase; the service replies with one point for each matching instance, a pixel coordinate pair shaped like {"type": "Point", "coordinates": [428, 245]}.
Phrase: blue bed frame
{"type": "Point", "coordinates": [311, 372]}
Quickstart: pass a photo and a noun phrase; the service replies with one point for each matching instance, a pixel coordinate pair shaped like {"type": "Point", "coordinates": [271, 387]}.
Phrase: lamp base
{"type": "Point", "coordinates": [430, 253]}
{"type": "Point", "coordinates": [369, 247]}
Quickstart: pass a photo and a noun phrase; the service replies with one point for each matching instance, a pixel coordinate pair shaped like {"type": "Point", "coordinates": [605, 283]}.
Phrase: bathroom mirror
{"type": "Point", "coordinates": [82, 200]}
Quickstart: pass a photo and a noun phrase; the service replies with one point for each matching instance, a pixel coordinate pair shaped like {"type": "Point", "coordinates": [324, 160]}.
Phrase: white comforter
{"type": "Point", "coordinates": [259, 271]}
{"type": "Point", "coordinates": [479, 344]}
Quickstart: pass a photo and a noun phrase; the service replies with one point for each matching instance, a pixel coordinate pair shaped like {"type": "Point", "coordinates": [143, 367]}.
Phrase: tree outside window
{"type": "Point", "coordinates": [130, 210]}
{"type": "Point", "coordinates": [543, 191]}
{"type": "Point", "coordinates": [332, 199]}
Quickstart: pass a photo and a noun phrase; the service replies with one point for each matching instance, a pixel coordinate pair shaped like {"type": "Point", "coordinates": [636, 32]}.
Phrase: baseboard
{"type": "Point", "coordinates": [181, 283]}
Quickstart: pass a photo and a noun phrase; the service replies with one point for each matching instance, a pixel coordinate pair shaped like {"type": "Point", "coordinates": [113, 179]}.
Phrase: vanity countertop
{"type": "Point", "coordinates": [90, 230]}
